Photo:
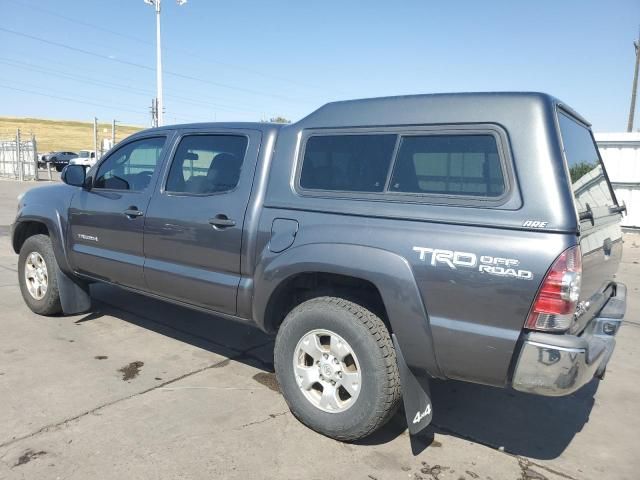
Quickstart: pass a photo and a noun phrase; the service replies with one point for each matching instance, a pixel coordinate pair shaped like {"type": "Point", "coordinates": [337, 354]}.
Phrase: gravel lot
{"type": "Point", "coordinates": [142, 389]}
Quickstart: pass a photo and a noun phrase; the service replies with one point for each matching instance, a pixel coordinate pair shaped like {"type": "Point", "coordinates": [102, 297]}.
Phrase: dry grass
{"type": "Point", "coordinates": [53, 135]}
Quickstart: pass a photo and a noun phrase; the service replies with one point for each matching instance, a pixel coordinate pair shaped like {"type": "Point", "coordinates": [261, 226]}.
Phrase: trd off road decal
{"type": "Point", "coordinates": [499, 266]}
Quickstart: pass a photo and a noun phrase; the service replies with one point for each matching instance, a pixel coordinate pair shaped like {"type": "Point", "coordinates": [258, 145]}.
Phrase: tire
{"type": "Point", "coordinates": [49, 302]}
{"type": "Point", "coordinates": [378, 394]}
{"type": "Point", "coordinates": [59, 168]}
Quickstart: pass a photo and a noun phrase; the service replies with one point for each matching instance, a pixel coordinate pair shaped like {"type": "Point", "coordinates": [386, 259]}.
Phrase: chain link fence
{"type": "Point", "coordinates": [18, 157]}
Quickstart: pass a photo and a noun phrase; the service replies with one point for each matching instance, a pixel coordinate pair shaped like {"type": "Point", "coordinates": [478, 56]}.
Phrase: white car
{"type": "Point", "coordinates": [85, 157]}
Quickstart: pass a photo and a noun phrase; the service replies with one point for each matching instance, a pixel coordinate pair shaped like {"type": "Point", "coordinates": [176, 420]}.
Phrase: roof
{"type": "Point", "coordinates": [445, 97]}
{"type": "Point", "coordinates": [428, 108]}
{"type": "Point", "coordinates": [214, 125]}
{"type": "Point", "coordinates": [435, 108]}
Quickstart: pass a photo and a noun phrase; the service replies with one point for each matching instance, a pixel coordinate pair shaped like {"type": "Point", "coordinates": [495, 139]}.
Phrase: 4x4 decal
{"type": "Point", "coordinates": [499, 266]}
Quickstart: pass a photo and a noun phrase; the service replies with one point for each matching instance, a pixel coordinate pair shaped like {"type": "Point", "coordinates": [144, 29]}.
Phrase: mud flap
{"type": "Point", "coordinates": [74, 294]}
{"type": "Point", "coordinates": [415, 394]}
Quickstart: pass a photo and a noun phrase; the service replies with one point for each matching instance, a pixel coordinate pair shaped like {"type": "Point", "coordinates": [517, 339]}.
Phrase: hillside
{"type": "Point", "coordinates": [52, 135]}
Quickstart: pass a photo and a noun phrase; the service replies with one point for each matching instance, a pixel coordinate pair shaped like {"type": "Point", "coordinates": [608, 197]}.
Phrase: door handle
{"type": "Point", "coordinates": [221, 221]}
{"type": "Point", "coordinates": [133, 212]}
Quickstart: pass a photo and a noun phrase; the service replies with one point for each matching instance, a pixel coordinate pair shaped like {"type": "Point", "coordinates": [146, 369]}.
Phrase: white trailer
{"type": "Point", "coordinates": [621, 155]}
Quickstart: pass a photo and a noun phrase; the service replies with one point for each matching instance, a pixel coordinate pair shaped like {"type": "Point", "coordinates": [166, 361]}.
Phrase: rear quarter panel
{"type": "Point", "coordinates": [475, 318]}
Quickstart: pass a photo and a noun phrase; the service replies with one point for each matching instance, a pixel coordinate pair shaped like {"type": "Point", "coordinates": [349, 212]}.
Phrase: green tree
{"type": "Point", "coordinates": [579, 170]}
{"type": "Point", "coordinates": [279, 119]}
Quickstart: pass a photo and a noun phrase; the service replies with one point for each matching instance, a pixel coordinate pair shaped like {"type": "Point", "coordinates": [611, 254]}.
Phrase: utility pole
{"type": "Point", "coordinates": [160, 101]}
{"type": "Point", "coordinates": [95, 136]}
{"type": "Point", "coordinates": [634, 88]}
{"type": "Point", "coordinates": [154, 113]}
{"type": "Point", "coordinates": [113, 132]}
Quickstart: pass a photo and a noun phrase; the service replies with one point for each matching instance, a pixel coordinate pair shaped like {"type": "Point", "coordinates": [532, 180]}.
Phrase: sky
{"type": "Point", "coordinates": [250, 60]}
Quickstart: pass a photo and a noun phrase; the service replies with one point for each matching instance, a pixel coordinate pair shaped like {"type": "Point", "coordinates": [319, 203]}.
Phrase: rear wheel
{"type": "Point", "coordinates": [336, 366]}
{"type": "Point", "coordinates": [37, 276]}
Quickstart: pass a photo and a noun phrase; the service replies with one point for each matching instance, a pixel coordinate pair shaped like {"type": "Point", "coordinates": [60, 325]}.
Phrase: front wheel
{"type": "Point", "coordinates": [37, 275]}
{"type": "Point", "coordinates": [336, 367]}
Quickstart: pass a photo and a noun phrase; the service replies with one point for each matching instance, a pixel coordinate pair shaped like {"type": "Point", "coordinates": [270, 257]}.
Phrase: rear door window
{"type": "Point", "coordinates": [589, 182]}
{"type": "Point", "coordinates": [207, 164]}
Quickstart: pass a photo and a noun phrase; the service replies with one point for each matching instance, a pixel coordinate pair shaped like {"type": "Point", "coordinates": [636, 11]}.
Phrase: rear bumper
{"type": "Point", "coordinates": [556, 365]}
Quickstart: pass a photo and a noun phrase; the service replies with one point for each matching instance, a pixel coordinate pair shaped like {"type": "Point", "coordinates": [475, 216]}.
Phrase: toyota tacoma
{"type": "Point", "coordinates": [384, 242]}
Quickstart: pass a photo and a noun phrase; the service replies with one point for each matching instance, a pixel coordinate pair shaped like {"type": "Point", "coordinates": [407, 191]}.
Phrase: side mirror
{"type": "Point", "coordinates": [74, 175]}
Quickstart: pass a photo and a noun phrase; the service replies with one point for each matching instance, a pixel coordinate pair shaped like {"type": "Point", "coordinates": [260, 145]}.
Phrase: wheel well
{"type": "Point", "coordinates": [304, 286]}
{"type": "Point", "coordinates": [25, 230]}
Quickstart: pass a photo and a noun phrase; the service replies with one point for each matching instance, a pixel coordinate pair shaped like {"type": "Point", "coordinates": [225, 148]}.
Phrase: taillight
{"type": "Point", "coordinates": [555, 304]}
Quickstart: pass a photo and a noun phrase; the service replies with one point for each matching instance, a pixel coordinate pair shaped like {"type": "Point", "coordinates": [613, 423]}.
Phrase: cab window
{"type": "Point", "coordinates": [131, 166]}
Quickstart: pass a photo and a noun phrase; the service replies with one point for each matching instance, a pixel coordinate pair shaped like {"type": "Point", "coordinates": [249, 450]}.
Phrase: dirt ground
{"type": "Point", "coordinates": [61, 135]}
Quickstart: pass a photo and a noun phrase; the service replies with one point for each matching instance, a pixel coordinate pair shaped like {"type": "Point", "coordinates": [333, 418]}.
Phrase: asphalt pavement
{"type": "Point", "coordinates": [138, 388]}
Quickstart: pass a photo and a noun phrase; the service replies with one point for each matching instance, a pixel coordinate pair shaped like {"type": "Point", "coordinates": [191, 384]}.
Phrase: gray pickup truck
{"type": "Point", "coordinates": [385, 242]}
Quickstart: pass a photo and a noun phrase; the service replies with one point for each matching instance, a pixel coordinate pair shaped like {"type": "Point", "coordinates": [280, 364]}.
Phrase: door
{"type": "Point", "coordinates": [598, 211]}
{"type": "Point", "coordinates": [193, 230]}
{"type": "Point", "coordinates": [107, 221]}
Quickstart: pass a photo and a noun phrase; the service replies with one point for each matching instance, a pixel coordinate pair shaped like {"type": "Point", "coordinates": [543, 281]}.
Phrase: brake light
{"type": "Point", "coordinates": [555, 304]}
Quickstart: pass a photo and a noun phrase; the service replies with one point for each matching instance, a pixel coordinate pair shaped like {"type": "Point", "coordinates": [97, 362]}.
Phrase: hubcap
{"type": "Point", "coordinates": [36, 276]}
{"type": "Point", "coordinates": [327, 371]}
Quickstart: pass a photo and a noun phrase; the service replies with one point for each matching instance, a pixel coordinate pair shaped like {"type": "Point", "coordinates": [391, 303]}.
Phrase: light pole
{"type": "Point", "coordinates": [634, 88]}
{"type": "Point", "coordinates": [160, 102]}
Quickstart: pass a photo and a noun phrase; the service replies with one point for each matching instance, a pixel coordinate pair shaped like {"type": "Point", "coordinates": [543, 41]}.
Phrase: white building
{"type": "Point", "coordinates": [621, 155]}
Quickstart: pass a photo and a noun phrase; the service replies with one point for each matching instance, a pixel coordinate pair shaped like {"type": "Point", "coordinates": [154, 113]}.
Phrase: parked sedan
{"type": "Point", "coordinates": [58, 159]}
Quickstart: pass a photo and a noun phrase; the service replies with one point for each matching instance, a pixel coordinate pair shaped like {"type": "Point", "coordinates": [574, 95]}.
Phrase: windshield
{"type": "Point", "coordinates": [84, 154]}
{"type": "Point", "coordinates": [589, 182]}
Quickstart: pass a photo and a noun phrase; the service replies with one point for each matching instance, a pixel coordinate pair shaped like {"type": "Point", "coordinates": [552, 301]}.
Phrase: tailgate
{"type": "Point", "coordinates": [596, 206]}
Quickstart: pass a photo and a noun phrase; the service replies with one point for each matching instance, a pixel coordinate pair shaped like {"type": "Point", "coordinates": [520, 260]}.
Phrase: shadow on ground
{"type": "Point", "coordinates": [224, 337]}
{"type": "Point", "coordinates": [527, 425]}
